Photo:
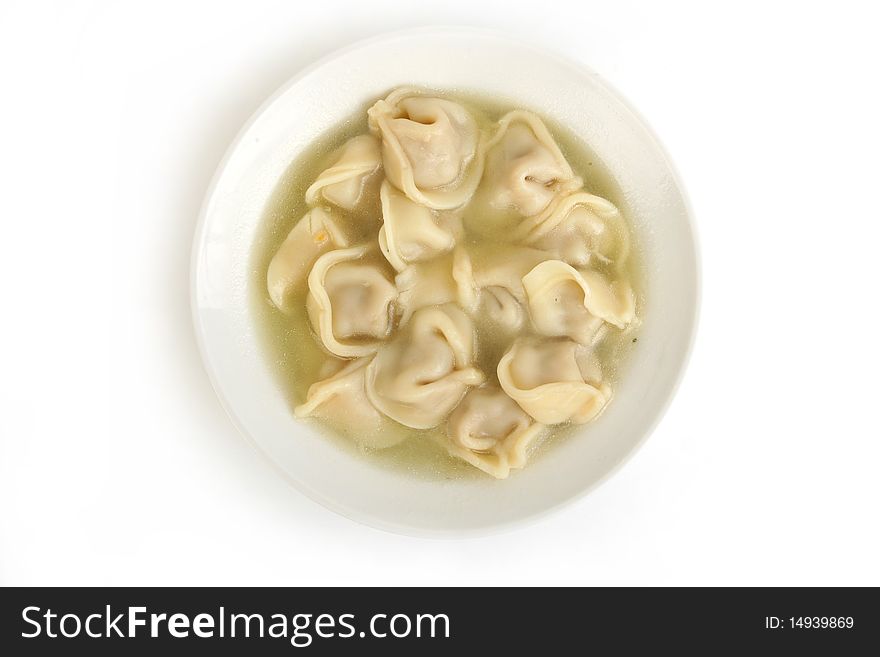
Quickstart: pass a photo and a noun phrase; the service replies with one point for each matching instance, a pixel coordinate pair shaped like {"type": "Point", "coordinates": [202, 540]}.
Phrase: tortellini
{"type": "Point", "coordinates": [340, 400]}
{"type": "Point", "coordinates": [316, 233]}
{"type": "Point", "coordinates": [566, 302]}
{"type": "Point", "coordinates": [431, 147]}
{"type": "Point", "coordinates": [413, 233]}
{"type": "Point", "coordinates": [420, 376]}
{"type": "Point", "coordinates": [490, 431]}
{"type": "Point", "coordinates": [525, 169]}
{"type": "Point", "coordinates": [350, 302]}
{"type": "Point", "coordinates": [581, 229]}
{"type": "Point", "coordinates": [458, 281]}
{"type": "Point", "coordinates": [504, 266]}
{"type": "Point", "coordinates": [553, 380]}
{"type": "Point", "coordinates": [447, 279]}
{"type": "Point", "coordinates": [502, 307]}
{"type": "Point", "coordinates": [344, 182]}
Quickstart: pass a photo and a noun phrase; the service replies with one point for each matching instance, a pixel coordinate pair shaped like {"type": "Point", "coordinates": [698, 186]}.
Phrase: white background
{"type": "Point", "coordinates": [117, 464]}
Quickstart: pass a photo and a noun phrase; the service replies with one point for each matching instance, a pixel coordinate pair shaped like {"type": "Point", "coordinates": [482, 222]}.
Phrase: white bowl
{"type": "Point", "coordinates": [318, 99]}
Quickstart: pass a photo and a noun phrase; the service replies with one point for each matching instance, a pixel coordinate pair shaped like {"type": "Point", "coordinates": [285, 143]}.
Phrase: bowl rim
{"type": "Point", "coordinates": [199, 234]}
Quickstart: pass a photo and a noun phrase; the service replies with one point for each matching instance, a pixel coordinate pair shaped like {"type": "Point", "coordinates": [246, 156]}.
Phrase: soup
{"type": "Point", "coordinates": [446, 284]}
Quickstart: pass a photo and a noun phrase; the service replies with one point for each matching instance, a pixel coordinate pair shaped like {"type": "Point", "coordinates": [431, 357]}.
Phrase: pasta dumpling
{"type": "Point", "coordinates": [581, 229]}
{"type": "Point", "coordinates": [343, 183]}
{"type": "Point", "coordinates": [499, 305]}
{"type": "Point", "coordinates": [455, 278]}
{"type": "Point", "coordinates": [350, 301]}
{"type": "Point", "coordinates": [504, 266]}
{"type": "Point", "coordinates": [525, 169]}
{"type": "Point", "coordinates": [340, 400]}
{"type": "Point", "coordinates": [447, 279]}
{"type": "Point", "coordinates": [413, 233]}
{"type": "Point", "coordinates": [490, 431]}
{"type": "Point", "coordinates": [316, 233]}
{"type": "Point", "coordinates": [421, 375]}
{"type": "Point", "coordinates": [431, 147]}
{"type": "Point", "coordinates": [563, 301]}
{"type": "Point", "coordinates": [553, 380]}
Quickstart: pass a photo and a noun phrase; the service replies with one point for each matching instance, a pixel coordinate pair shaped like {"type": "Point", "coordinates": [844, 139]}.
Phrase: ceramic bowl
{"type": "Point", "coordinates": [519, 75]}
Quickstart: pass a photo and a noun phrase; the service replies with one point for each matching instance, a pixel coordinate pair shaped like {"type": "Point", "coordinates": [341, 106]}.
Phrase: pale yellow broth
{"type": "Point", "coordinates": [295, 352]}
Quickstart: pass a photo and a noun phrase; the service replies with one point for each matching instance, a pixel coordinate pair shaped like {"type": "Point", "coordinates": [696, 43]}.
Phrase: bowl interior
{"type": "Point", "coordinates": [519, 76]}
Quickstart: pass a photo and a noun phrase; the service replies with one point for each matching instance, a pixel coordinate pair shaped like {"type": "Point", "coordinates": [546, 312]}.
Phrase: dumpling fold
{"type": "Point", "coordinates": [412, 233]}
{"type": "Point", "coordinates": [525, 169]}
{"type": "Point", "coordinates": [581, 229]}
{"type": "Point", "coordinates": [564, 301]}
{"type": "Point", "coordinates": [351, 301]}
{"type": "Point", "coordinates": [318, 232]}
{"type": "Point", "coordinates": [553, 380]}
{"type": "Point", "coordinates": [343, 183]}
{"type": "Point", "coordinates": [431, 147]}
{"type": "Point", "coordinates": [421, 375]}
{"type": "Point", "coordinates": [341, 401]}
{"type": "Point", "coordinates": [490, 431]}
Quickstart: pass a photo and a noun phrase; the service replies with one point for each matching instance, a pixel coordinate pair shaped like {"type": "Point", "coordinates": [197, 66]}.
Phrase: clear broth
{"type": "Point", "coordinates": [295, 352]}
